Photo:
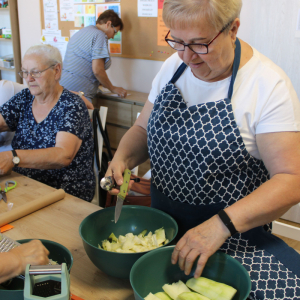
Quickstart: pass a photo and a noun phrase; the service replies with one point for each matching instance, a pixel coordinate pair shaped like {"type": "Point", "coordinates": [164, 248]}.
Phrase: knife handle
{"type": "Point", "coordinates": [124, 186]}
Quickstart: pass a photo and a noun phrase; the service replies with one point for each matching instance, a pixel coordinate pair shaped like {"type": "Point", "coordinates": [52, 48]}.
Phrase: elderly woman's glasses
{"type": "Point", "coordinates": [195, 47]}
{"type": "Point", "coordinates": [33, 74]}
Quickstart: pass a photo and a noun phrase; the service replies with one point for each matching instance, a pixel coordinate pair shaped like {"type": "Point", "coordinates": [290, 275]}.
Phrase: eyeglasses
{"type": "Point", "coordinates": [197, 48]}
{"type": "Point", "coordinates": [113, 27]}
{"type": "Point", "coordinates": [33, 74]}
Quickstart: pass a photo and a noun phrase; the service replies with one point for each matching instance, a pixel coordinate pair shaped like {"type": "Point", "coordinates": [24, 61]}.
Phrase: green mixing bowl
{"type": "Point", "coordinates": [99, 225]}
{"type": "Point", "coordinates": [155, 269]}
{"type": "Point", "coordinates": [14, 290]}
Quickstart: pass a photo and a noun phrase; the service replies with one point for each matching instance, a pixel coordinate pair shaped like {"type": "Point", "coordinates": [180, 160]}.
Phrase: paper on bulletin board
{"type": "Point", "coordinates": [54, 32]}
{"type": "Point", "coordinates": [84, 15]}
{"type": "Point", "coordinates": [147, 8]}
{"type": "Point", "coordinates": [60, 42]}
{"type": "Point", "coordinates": [100, 8]}
{"type": "Point", "coordinates": [50, 14]}
{"type": "Point", "coordinates": [115, 48]}
{"type": "Point", "coordinates": [162, 30]}
{"type": "Point", "coordinates": [95, 1]}
{"type": "Point", "coordinates": [72, 32]}
{"type": "Point", "coordinates": [66, 10]}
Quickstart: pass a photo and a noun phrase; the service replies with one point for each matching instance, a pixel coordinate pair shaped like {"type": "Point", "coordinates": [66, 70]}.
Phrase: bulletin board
{"type": "Point", "coordinates": [139, 36]}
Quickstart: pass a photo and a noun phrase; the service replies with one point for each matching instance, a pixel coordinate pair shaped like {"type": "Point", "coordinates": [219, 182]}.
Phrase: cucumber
{"type": "Point", "coordinates": [191, 296]}
{"type": "Point", "coordinates": [150, 296]}
{"type": "Point", "coordinates": [212, 289]}
{"type": "Point", "coordinates": [175, 289]}
{"type": "Point", "coordinates": [162, 296]}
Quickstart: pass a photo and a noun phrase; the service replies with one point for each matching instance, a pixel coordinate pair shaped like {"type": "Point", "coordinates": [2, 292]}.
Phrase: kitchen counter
{"type": "Point", "coordinates": [59, 222]}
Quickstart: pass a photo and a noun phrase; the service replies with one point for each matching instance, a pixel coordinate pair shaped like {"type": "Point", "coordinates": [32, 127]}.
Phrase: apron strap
{"type": "Point", "coordinates": [236, 64]}
{"type": "Point", "coordinates": [178, 73]}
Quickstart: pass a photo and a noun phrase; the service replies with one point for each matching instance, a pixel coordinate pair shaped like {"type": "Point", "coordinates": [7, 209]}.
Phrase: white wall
{"type": "Point", "coordinates": [268, 25]}
{"type": "Point", "coordinates": [29, 23]}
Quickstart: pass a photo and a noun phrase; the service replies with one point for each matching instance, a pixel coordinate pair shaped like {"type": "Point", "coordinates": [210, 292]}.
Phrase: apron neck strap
{"type": "Point", "coordinates": [178, 73]}
{"type": "Point", "coordinates": [236, 64]}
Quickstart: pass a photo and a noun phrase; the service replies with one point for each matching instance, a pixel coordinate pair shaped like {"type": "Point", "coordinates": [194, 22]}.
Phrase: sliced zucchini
{"type": "Point", "coordinates": [175, 289]}
{"type": "Point", "coordinates": [212, 289]}
{"type": "Point", "coordinates": [191, 296]}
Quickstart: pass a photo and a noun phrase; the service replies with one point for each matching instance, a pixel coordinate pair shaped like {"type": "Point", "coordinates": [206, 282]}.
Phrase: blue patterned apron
{"type": "Point", "coordinates": [200, 165]}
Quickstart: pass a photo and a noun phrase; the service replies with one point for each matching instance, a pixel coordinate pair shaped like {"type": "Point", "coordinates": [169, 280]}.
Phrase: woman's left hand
{"type": "Point", "coordinates": [203, 240]}
{"type": "Point", "coordinates": [6, 163]}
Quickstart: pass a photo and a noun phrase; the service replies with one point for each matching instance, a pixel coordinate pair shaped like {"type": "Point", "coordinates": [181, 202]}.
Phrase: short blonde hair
{"type": "Point", "coordinates": [187, 13]}
{"type": "Point", "coordinates": [50, 53]}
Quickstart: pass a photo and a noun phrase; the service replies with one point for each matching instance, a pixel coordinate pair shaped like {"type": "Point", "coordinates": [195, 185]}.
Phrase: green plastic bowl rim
{"type": "Point", "coordinates": [129, 207]}
{"type": "Point", "coordinates": [153, 252]}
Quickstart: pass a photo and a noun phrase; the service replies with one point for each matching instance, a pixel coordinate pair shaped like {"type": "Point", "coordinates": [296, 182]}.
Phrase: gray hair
{"type": "Point", "coordinates": [50, 53]}
{"type": "Point", "coordinates": [186, 13]}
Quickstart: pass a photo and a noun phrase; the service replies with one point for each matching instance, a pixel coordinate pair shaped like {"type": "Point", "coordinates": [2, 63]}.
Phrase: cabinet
{"type": "Point", "coordinates": [121, 115]}
{"type": "Point", "coordinates": [9, 19]}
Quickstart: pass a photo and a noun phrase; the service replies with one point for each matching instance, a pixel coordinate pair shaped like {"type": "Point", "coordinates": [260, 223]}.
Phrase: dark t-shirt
{"type": "Point", "coordinates": [68, 115]}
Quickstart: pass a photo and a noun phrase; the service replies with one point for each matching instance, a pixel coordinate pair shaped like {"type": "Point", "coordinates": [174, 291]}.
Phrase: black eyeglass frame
{"type": "Point", "coordinates": [33, 74]}
{"type": "Point", "coordinates": [196, 44]}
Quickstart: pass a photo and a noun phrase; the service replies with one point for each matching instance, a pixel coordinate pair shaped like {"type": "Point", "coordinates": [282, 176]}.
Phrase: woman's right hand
{"type": "Point", "coordinates": [116, 170]}
{"type": "Point", "coordinates": [33, 253]}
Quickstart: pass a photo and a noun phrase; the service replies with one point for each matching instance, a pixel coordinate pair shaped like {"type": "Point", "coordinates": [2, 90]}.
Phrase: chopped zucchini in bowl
{"type": "Point", "coordinates": [131, 243]}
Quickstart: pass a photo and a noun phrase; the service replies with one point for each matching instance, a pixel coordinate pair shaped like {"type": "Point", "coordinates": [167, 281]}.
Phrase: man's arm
{"type": "Point", "coordinates": [98, 66]}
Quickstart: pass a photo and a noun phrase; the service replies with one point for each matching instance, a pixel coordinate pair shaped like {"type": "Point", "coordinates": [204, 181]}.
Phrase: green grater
{"type": "Point", "coordinates": [50, 281]}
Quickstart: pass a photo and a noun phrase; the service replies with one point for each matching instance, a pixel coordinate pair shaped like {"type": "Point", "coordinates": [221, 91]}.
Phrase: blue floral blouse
{"type": "Point", "coordinates": [69, 115]}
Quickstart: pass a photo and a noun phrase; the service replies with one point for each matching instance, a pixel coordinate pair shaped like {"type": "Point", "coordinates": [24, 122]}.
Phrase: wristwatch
{"type": "Point", "coordinates": [80, 94]}
{"type": "Point", "coordinates": [16, 158]}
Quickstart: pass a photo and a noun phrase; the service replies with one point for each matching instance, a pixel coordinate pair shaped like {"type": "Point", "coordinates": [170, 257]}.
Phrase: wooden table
{"type": "Point", "coordinates": [59, 222]}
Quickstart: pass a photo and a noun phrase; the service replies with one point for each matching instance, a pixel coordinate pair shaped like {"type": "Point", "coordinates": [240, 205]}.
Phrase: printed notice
{"type": "Point", "coordinates": [162, 30]}
{"type": "Point", "coordinates": [50, 15]}
{"type": "Point", "coordinates": [66, 10]}
{"type": "Point", "coordinates": [147, 8]}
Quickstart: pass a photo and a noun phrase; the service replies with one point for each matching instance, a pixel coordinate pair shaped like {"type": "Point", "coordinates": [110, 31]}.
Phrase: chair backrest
{"type": "Point", "coordinates": [103, 115]}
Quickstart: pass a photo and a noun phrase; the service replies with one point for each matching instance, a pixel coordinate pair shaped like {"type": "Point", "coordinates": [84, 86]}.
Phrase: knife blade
{"type": "Point", "coordinates": [122, 194]}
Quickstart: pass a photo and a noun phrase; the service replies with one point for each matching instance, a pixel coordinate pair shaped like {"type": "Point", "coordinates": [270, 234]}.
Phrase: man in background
{"type": "Point", "coordinates": [87, 57]}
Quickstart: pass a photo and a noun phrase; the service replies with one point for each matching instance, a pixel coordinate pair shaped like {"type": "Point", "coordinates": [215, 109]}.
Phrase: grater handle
{"type": "Point", "coordinates": [39, 270]}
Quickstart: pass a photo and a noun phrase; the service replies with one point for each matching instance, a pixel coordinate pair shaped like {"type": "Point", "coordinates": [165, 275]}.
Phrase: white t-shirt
{"type": "Point", "coordinates": [263, 99]}
{"type": "Point", "coordinates": [7, 90]}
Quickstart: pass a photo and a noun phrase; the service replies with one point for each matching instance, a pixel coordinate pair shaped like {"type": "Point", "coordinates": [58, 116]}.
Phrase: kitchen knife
{"type": "Point", "coordinates": [122, 194]}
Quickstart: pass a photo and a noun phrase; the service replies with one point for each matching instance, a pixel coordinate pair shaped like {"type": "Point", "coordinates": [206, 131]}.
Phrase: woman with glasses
{"type": "Point", "coordinates": [87, 57]}
{"type": "Point", "coordinates": [53, 140]}
{"type": "Point", "coordinates": [221, 127]}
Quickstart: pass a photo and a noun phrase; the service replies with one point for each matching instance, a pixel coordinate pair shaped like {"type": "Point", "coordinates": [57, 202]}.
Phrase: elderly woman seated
{"type": "Point", "coordinates": [53, 141]}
